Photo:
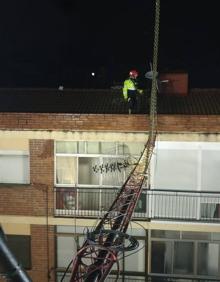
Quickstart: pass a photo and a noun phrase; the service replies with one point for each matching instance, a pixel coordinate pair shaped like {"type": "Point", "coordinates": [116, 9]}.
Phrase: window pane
{"type": "Point", "coordinates": [20, 245]}
{"type": "Point", "coordinates": [136, 261]}
{"type": "Point", "coordinates": [171, 176]}
{"type": "Point", "coordinates": [183, 258]}
{"type": "Point", "coordinates": [14, 169]}
{"type": "Point", "coordinates": [130, 148]}
{"type": "Point", "coordinates": [208, 259]}
{"type": "Point", "coordinates": [108, 148]}
{"type": "Point", "coordinates": [86, 172]}
{"type": "Point", "coordinates": [66, 147]}
{"type": "Point", "coordinates": [161, 257]}
{"type": "Point", "coordinates": [93, 147]}
{"type": "Point", "coordinates": [66, 249]}
{"type": "Point", "coordinates": [81, 147]}
{"type": "Point", "coordinates": [113, 171]}
{"type": "Point", "coordinates": [66, 170]}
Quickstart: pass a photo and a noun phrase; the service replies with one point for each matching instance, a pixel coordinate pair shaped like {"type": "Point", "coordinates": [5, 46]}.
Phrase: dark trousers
{"type": "Point", "coordinates": [132, 100]}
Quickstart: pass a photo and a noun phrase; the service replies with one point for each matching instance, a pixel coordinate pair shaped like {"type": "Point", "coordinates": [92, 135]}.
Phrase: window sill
{"type": "Point", "coordinates": [10, 185]}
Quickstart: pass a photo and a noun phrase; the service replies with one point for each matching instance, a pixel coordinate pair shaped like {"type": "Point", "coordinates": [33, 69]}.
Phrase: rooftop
{"type": "Point", "coordinates": [197, 102]}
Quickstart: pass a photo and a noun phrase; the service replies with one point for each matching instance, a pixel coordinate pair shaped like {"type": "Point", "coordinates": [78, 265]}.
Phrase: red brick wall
{"type": "Point", "coordinates": [42, 175]}
{"type": "Point", "coordinates": [108, 122]}
{"type": "Point", "coordinates": [42, 249]}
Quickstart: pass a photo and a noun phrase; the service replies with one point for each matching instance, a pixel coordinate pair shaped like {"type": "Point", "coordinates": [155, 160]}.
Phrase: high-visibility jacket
{"type": "Point", "coordinates": [130, 85]}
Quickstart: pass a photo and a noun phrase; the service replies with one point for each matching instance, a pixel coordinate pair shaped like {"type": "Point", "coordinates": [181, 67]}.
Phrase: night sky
{"type": "Point", "coordinates": [47, 43]}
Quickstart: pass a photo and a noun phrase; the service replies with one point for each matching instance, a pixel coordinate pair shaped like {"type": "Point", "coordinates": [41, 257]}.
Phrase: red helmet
{"type": "Point", "coordinates": [133, 74]}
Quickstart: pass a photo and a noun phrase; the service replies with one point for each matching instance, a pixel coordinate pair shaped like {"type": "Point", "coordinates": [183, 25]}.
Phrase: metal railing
{"type": "Point", "coordinates": [153, 204]}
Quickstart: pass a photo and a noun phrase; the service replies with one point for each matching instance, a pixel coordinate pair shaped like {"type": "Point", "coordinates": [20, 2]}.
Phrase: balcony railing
{"type": "Point", "coordinates": [153, 204]}
{"type": "Point", "coordinates": [147, 278]}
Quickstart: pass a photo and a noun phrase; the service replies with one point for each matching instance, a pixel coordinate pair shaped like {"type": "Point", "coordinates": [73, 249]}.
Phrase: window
{"type": "Point", "coordinates": [186, 166]}
{"type": "Point", "coordinates": [20, 246]}
{"type": "Point", "coordinates": [185, 253]}
{"type": "Point", "coordinates": [14, 167]}
{"type": "Point", "coordinates": [94, 171]}
{"type": "Point", "coordinates": [85, 163]}
{"type": "Point", "coordinates": [68, 238]}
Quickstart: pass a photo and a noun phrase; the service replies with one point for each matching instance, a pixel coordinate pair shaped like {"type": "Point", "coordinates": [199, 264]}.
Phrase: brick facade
{"type": "Point", "coordinates": [108, 122]}
{"type": "Point", "coordinates": [37, 199]}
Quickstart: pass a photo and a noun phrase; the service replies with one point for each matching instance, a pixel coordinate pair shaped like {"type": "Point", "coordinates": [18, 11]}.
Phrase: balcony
{"type": "Point", "coordinates": [175, 205]}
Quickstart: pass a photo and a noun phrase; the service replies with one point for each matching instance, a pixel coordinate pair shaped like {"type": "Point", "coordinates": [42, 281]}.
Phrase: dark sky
{"type": "Point", "coordinates": [46, 43]}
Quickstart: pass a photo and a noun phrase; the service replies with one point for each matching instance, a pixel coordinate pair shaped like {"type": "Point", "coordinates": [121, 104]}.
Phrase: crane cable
{"type": "Point", "coordinates": [153, 100]}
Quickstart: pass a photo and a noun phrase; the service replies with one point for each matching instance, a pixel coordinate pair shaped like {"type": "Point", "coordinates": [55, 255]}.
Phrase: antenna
{"type": "Point", "coordinates": [149, 75]}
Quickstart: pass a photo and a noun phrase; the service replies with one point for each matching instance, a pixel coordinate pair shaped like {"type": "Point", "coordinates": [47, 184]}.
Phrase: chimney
{"type": "Point", "coordinates": [175, 83]}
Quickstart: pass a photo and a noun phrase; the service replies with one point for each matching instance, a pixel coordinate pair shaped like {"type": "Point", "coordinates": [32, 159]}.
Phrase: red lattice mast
{"type": "Point", "coordinates": [100, 250]}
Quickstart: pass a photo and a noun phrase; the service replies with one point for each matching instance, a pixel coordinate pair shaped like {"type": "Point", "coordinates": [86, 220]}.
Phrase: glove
{"type": "Point", "coordinates": [140, 91]}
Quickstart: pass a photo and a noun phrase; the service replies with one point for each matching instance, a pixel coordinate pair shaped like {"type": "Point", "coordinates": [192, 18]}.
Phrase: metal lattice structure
{"type": "Point", "coordinates": [102, 246]}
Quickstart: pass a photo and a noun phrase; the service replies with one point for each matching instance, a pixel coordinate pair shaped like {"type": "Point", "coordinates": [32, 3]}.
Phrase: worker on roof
{"type": "Point", "coordinates": [130, 91]}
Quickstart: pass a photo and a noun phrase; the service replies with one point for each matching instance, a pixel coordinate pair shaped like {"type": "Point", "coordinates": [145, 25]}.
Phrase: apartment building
{"type": "Point", "coordinates": [64, 156]}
